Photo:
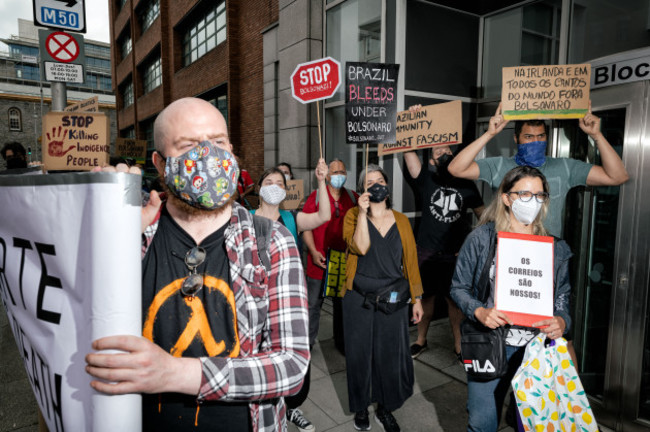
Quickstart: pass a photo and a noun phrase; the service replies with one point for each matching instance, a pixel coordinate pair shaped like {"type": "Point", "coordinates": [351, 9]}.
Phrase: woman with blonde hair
{"type": "Point", "coordinates": [519, 207]}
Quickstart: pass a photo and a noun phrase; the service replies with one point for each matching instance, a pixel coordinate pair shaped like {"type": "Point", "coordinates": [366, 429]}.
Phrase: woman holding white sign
{"type": "Point", "coordinates": [519, 207]}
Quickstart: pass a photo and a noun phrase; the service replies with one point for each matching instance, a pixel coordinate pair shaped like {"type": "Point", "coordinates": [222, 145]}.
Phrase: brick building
{"type": "Point", "coordinates": [165, 50]}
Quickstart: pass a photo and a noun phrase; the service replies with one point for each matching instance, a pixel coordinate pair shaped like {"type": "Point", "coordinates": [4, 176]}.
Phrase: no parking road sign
{"type": "Point", "coordinates": [62, 55]}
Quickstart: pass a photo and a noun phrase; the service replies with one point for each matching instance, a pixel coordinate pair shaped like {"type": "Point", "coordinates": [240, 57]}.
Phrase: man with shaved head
{"type": "Point", "coordinates": [224, 297]}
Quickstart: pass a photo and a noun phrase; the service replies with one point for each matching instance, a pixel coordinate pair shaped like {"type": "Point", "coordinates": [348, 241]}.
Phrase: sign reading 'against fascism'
{"type": "Point", "coordinates": [432, 125]}
{"type": "Point", "coordinates": [545, 92]}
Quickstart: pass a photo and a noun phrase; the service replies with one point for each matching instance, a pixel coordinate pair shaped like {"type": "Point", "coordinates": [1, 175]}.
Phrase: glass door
{"type": "Point", "coordinates": [607, 230]}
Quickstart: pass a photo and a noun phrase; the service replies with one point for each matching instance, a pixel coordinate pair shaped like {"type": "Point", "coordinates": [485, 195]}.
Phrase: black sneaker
{"type": "Point", "coordinates": [386, 420]}
{"type": "Point", "coordinates": [296, 417]}
{"type": "Point", "coordinates": [417, 349]}
{"type": "Point", "coordinates": [362, 421]}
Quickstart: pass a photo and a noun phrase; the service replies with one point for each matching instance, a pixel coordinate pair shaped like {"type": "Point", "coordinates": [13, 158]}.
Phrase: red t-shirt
{"type": "Point", "coordinates": [332, 230]}
{"type": "Point", "coordinates": [244, 182]}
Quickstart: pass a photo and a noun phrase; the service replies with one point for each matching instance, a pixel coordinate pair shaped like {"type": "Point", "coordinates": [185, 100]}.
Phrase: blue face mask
{"type": "Point", "coordinates": [337, 181]}
{"type": "Point", "coordinates": [531, 154]}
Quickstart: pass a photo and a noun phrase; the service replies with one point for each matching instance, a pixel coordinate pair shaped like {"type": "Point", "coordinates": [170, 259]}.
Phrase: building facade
{"type": "Point", "coordinates": [165, 50]}
{"type": "Point", "coordinates": [240, 55]}
{"type": "Point", "coordinates": [25, 96]}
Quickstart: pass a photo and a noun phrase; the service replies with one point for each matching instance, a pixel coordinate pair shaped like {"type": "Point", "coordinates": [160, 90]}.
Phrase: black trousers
{"type": "Point", "coordinates": [377, 355]}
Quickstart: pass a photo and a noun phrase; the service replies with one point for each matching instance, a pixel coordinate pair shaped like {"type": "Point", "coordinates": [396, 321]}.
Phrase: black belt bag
{"type": "Point", "coordinates": [483, 350]}
{"type": "Point", "coordinates": [388, 300]}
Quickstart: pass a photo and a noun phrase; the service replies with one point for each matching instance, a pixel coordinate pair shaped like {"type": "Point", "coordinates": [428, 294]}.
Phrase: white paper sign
{"type": "Point", "coordinates": [524, 277]}
{"type": "Point", "coordinates": [71, 273]}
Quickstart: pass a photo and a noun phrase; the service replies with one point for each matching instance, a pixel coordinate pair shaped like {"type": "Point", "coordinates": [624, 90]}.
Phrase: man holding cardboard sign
{"type": "Point", "coordinates": [562, 173]}
{"type": "Point", "coordinates": [444, 200]}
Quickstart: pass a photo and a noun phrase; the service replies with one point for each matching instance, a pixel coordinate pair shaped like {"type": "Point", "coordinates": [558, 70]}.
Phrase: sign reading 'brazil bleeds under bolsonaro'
{"type": "Point", "coordinates": [370, 102]}
{"type": "Point", "coordinates": [430, 126]}
{"type": "Point", "coordinates": [545, 92]}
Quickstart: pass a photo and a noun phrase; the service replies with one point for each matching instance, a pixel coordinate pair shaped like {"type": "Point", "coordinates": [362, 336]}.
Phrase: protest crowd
{"type": "Point", "coordinates": [223, 254]}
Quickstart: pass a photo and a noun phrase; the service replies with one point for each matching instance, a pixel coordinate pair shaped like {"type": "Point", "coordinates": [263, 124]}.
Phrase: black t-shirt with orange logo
{"type": "Point", "coordinates": [205, 325]}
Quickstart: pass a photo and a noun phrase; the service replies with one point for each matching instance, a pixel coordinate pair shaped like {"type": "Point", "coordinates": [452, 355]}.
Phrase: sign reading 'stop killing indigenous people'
{"type": "Point", "coordinates": [432, 125]}
{"type": "Point", "coordinates": [370, 102]}
{"type": "Point", "coordinates": [545, 92]}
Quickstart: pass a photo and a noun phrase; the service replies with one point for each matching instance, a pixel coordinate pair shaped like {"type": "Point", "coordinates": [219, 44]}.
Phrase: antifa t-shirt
{"type": "Point", "coordinates": [205, 325]}
{"type": "Point", "coordinates": [445, 201]}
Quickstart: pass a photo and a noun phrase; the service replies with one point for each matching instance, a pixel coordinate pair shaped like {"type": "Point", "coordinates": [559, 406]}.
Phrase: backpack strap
{"type": "Point", "coordinates": [350, 194]}
{"type": "Point", "coordinates": [289, 221]}
{"type": "Point", "coordinates": [483, 282]}
{"type": "Point", "coordinates": [263, 228]}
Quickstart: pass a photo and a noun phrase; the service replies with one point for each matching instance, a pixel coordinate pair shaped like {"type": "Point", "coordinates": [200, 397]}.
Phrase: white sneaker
{"type": "Point", "coordinates": [295, 416]}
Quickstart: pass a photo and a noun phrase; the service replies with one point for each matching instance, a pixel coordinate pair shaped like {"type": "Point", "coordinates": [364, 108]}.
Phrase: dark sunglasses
{"type": "Point", "coordinates": [193, 282]}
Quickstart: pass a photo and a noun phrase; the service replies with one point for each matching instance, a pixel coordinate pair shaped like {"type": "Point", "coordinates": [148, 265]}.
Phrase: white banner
{"type": "Point", "coordinates": [71, 273]}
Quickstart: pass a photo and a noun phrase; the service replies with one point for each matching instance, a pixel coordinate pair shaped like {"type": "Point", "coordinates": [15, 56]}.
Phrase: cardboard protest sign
{"type": "Point", "coordinates": [131, 148]}
{"type": "Point", "coordinates": [524, 277]}
{"type": "Point", "coordinates": [295, 195]}
{"type": "Point", "coordinates": [370, 102]}
{"type": "Point", "coordinates": [75, 141]}
{"type": "Point", "coordinates": [432, 125]}
{"type": "Point", "coordinates": [545, 92]}
{"type": "Point", "coordinates": [87, 105]}
{"type": "Point", "coordinates": [62, 241]}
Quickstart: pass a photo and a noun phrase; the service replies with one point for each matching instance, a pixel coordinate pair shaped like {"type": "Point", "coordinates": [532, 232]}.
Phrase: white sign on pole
{"type": "Point", "coordinates": [71, 274]}
{"type": "Point", "coordinates": [524, 277]}
{"type": "Point", "coordinates": [61, 14]}
{"type": "Point", "coordinates": [63, 72]}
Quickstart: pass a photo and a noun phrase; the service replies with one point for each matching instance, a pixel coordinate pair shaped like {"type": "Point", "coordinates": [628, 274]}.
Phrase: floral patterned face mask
{"type": "Point", "coordinates": [204, 177]}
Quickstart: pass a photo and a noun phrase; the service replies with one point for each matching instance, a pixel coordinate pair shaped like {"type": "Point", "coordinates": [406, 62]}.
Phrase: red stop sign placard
{"type": "Point", "coordinates": [316, 80]}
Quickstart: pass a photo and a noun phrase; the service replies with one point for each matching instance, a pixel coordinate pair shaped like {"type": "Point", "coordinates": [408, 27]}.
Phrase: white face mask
{"type": "Point", "coordinates": [287, 177]}
{"type": "Point", "coordinates": [272, 194]}
{"type": "Point", "coordinates": [526, 212]}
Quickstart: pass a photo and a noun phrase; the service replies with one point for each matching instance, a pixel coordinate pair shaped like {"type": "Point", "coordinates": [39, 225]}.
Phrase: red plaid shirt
{"type": "Point", "coordinates": [271, 323]}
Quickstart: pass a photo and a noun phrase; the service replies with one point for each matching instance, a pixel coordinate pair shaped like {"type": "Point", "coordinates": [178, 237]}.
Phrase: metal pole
{"type": "Point", "coordinates": [59, 96]}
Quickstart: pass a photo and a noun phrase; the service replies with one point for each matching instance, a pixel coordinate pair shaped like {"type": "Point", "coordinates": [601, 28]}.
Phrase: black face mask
{"type": "Point", "coordinates": [378, 192]}
{"type": "Point", "coordinates": [16, 162]}
{"type": "Point", "coordinates": [444, 161]}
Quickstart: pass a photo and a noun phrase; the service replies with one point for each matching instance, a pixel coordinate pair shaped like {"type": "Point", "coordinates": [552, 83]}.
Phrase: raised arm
{"type": "Point", "coordinates": [463, 165]}
{"type": "Point", "coordinates": [612, 172]}
{"type": "Point", "coordinates": [355, 226]}
{"type": "Point", "coordinates": [413, 164]}
{"type": "Point", "coordinates": [309, 221]}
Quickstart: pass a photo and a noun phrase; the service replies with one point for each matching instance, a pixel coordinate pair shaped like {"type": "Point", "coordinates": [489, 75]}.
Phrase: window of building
{"type": "Point", "coordinates": [218, 96]}
{"type": "Point", "coordinates": [149, 13]}
{"type": "Point", "coordinates": [128, 132]}
{"type": "Point", "coordinates": [204, 33]}
{"type": "Point", "coordinates": [628, 28]}
{"type": "Point", "coordinates": [15, 119]}
{"type": "Point", "coordinates": [532, 34]}
{"type": "Point", "coordinates": [19, 50]}
{"type": "Point", "coordinates": [27, 72]}
{"type": "Point", "coordinates": [98, 82]}
{"type": "Point", "coordinates": [125, 45]}
{"type": "Point", "coordinates": [126, 91]}
{"type": "Point", "coordinates": [98, 62]}
{"type": "Point", "coordinates": [97, 50]}
{"type": "Point", "coordinates": [120, 4]}
{"type": "Point", "coordinates": [353, 34]}
{"type": "Point", "coordinates": [152, 74]}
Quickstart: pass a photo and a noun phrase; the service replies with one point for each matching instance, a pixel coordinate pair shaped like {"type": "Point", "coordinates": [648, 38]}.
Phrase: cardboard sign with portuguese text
{"type": "Point", "coordinates": [295, 195]}
{"type": "Point", "coordinates": [86, 105]}
{"type": "Point", "coordinates": [131, 148]}
{"type": "Point", "coordinates": [432, 125]}
{"type": "Point", "coordinates": [524, 277]}
{"type": "Point", "coordinates": [75, 141]}
{"type": "Point", "coordinates": [545, 92]}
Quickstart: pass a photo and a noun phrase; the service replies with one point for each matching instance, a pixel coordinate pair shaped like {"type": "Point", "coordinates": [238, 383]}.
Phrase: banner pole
{"type": "Point", "coordinates": [366, 176]}
{"type": "Point", "coordinates": [320, 142]}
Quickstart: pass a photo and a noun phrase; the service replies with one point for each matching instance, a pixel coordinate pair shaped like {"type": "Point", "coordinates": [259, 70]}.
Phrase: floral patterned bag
{"type": "Point", "coordinates": [548, 391]}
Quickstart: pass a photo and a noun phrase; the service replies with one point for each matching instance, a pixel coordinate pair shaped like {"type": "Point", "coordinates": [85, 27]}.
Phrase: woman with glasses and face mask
{"type": "Point", "coordinates": [382, 263]}
{"type": "Point", "coordinates": [273, 190]}
{"type": "Point", "coordinates": [519, 207]}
